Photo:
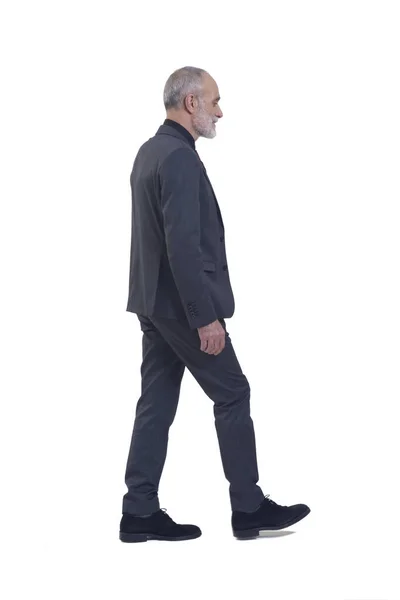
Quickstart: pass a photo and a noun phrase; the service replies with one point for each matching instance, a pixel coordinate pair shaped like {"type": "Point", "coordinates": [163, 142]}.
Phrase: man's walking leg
{"type": "Point", "coordinates": [223, 381]}
{"type": "Point", "coordinates": [162, 373]}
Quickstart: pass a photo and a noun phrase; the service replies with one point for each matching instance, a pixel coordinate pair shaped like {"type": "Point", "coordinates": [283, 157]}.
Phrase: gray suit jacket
{"type": "Point", "coordinates": [178, 264]}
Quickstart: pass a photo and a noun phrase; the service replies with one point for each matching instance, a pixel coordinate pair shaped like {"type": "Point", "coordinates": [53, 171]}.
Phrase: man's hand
{"type": "Point", "coordinates": [212, 338]}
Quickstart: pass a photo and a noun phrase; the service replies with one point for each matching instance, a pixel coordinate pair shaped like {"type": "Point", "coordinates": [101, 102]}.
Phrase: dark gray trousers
{"type": "Point", "coordinates": [168, 347]}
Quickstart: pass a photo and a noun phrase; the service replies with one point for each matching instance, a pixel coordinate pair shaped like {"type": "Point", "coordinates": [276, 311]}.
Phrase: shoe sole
{"type": "Point", "coordinates": [251, 533]}
{"type": "Point", "coordinates": [144, 537]}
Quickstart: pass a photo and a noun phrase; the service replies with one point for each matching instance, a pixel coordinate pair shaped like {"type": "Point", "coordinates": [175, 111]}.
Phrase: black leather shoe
{"type": "Point", "coordinates": [269, 516]}
{"type": "Point", "coordinates": [159, 526]}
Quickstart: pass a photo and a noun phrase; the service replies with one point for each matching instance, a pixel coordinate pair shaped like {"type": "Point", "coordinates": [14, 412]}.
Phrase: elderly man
{"type": "Point", "coordinates": [180, 290]}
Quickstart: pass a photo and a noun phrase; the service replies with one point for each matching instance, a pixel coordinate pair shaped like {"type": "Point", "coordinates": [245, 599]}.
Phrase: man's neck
{"type": "Point", "coordinates": [184, 124]}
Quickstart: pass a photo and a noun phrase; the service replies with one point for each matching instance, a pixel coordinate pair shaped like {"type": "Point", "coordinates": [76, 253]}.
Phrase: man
{"type": "Point", "coordinates": [179, 287]}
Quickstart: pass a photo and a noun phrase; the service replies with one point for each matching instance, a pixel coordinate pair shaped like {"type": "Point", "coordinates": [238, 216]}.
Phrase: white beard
{"type": "Point", "coordinates": [203, 124]}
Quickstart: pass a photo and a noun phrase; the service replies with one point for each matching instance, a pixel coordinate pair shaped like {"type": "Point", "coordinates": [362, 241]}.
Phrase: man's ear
{"type": "Point", "coordinates": [191, 103]}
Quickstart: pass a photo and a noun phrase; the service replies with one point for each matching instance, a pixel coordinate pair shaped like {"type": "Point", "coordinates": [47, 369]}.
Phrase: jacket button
{"type": "Point", "coordinates": [225, 267]}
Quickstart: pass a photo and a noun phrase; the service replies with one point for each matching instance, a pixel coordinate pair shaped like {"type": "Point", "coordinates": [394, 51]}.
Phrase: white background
{"type": "Point", "coordinates": [305, 166]}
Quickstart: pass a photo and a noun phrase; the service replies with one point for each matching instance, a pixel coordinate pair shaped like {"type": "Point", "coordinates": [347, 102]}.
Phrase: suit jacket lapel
{"type": "Point", "coordinates": [215, 198]}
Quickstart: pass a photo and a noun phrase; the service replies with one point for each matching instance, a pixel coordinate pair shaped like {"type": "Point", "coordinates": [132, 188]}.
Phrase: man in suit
{"type": "Point", "coordinates": [180, 290]}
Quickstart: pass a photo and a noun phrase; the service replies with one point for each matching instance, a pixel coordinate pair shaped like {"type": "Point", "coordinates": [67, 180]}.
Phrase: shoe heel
{"type": "Point", "coordinates": [246, 533]}
{"type": "Point", "coordinates": [132, 537]}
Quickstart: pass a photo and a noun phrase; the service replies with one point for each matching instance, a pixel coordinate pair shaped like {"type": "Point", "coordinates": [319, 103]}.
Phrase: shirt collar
{"type": "Point", "coordinates": [182, 130]}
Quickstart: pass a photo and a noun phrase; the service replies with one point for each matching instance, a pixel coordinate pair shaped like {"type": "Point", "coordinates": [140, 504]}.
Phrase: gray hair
{"type": "Point", "coordinates": [184, 81]}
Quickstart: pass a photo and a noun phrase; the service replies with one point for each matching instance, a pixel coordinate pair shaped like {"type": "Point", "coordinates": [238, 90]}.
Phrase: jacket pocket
{"type": "Point", "coordinates": [208, 265]}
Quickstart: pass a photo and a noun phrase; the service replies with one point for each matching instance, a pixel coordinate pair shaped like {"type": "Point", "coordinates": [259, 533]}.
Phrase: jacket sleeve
{"type": "Point", "coordinates": [180, 207]}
